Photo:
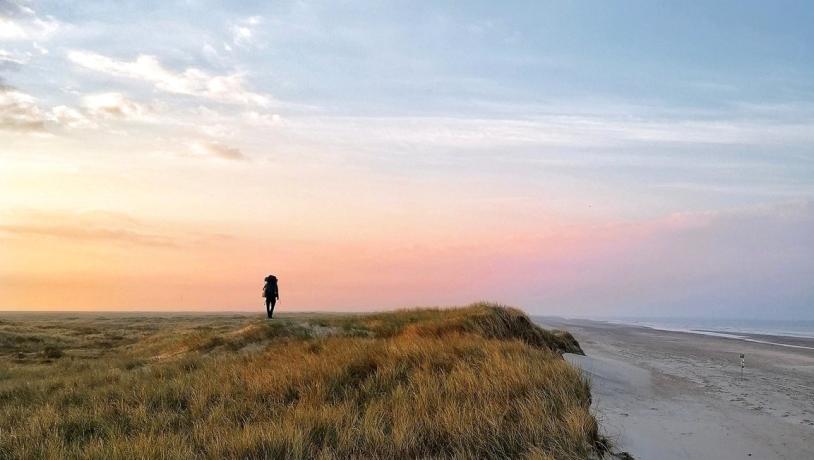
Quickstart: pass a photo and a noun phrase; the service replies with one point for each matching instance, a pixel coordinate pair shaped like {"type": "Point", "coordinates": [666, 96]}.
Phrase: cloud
{"type": "Point", "coordinates": [101, 226]}
{"type": "Point", "coordinates": [244, 32]}
{"type": "Point", "coordinates": [90, 234]}
{"type": "Point", "coordinates": [218, 150]}
{"type": "Point", "coordinates": [191, 82]}
{"type": "Point", "coordinates": [20, 112]}
{"type": "Point", "coordinates": [11, 61]}
{"type": "Point", "coordinates": [211, 54]}
{"type": "Point", "coordinates": [70, 118]}
{"type": "Point", "coordinates": [114, 105]}
{"type": "Point", "coordinates": [83, 226]}
{"type": "Point", "coordinates": [771, 190]}
{"type": "Point", "coordinates": [21, 23]}
{"type": "Point", "coordinates": [216, 125]}
{"type": "Point", "coordinates": [261, 119]}
{"type": "Point", "coordinates": [40, 49]}
{"type": "Point", "coordinates": [549, 130]}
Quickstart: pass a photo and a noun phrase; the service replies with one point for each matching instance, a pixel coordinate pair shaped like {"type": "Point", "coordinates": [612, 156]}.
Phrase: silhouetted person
{"type": "Point", "coordinates": [271, 293]}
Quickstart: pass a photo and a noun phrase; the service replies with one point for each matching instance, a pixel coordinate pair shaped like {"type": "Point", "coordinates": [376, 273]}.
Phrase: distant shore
{"type": "Point", "coordinates": [679, 395]}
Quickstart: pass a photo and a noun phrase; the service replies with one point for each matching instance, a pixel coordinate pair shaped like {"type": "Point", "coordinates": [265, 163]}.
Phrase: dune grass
{"type": "Point", "coordinates": [474, 382]}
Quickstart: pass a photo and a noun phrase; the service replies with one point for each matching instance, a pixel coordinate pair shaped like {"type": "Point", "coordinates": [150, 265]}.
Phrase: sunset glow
{"type": "Point", "coordinates": [386, 157]}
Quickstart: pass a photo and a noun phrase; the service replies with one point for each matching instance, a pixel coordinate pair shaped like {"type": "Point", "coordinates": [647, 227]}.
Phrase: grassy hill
{"type": "Point", "coordinates": [474, 382]}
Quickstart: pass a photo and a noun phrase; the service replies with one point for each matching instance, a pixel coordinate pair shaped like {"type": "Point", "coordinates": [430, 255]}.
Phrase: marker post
{"type": "Point", "coordinates": [743, 363]}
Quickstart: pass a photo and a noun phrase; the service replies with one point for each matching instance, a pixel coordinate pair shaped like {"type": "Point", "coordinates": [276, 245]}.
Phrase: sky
{"type": "Point", "coordinates": [574, 158]}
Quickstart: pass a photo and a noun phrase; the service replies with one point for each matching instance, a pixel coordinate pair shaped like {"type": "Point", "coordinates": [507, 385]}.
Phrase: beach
{"type": "Point", "coordinates": [678, 395]}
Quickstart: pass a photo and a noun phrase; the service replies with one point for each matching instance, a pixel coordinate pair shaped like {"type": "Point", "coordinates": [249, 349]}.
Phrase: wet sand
{"type": "Point", "coordinates": [676, 395]}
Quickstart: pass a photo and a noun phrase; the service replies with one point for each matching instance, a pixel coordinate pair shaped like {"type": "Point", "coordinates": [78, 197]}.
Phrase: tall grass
{"type": "Point", "coordinates": [476, 382]}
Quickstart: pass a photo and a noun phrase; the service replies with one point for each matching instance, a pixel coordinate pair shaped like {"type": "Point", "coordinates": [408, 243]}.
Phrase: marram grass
{"type": "Point", "coordinates": [474, 382]}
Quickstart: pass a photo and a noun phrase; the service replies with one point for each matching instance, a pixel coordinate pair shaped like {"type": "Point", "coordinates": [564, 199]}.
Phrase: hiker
{"type": "Point", "coordinates": [271, 293]}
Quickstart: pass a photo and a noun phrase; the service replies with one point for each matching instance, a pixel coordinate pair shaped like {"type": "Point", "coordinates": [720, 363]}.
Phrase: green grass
{"type": "Point", "coordinates": [474, 382]}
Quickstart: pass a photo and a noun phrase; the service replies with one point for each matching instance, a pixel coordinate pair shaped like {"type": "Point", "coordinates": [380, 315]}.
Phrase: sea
{"type": "Point", "coordinates": [753, 330]}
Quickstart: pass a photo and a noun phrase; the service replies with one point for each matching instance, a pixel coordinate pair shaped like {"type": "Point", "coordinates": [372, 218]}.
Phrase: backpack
{"type": "Point", "coordinates": [271, 285]}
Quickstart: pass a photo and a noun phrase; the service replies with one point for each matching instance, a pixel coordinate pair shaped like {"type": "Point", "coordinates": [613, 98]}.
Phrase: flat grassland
{"type": "Point", "coordinates": [474, 382]}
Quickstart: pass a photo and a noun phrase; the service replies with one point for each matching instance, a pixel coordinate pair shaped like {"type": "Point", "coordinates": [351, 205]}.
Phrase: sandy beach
{"type": "Point", "coordinates": [677, 395]}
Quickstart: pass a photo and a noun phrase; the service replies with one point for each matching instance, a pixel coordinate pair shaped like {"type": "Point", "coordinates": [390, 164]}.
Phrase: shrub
{"type": "Point", "coordinates": [52, 353]}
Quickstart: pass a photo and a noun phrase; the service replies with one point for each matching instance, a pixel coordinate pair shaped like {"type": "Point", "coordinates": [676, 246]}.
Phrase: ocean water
{"type": "Point", "coordinates": [726, 327]}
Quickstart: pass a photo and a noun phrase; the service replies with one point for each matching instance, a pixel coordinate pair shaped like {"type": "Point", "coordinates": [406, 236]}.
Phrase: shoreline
{"type": "Point", "coordinates": [679, 394]}
{"type": "Point", "coordinates": [786, 340]}
{"type": "Point", "coordinates": [790, 341]}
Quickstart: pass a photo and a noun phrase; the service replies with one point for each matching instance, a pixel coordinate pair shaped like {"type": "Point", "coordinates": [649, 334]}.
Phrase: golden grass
{"type": "Point", "coordinates": [476, 382]}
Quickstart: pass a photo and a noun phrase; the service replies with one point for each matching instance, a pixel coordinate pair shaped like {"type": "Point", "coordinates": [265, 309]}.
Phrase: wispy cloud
{"type": "Point", "coordinates": [115, 106]}
{"type": "Point", "coordinates": [549, 130]}
{"type": "Point", "coordinates": [91, 234]}
{"type": "Point", "coordinates": [217, 150]}
{"type": "Point", "coordinates": [93, 226]}
{"type": "Point", "coordinates": [767, 190]}
{"type": "Point", "coordinates": [191, 82]}
{"type": "Point", "coordinates": [11, 61]}
{"type": "Point", "coordinates": [245, 31]}
{"type": "Point", "coordinates": [101, 226]}
{"type": "Point", "coordinates": [19, 22]}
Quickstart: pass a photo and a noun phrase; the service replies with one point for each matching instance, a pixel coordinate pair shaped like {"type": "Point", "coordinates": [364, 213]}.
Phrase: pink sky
{"type": "Point", "coordinates": [587, 267]}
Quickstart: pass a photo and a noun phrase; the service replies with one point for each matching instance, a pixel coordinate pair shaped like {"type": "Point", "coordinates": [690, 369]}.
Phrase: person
{"type": "Point", "coordinates": [271, 293]}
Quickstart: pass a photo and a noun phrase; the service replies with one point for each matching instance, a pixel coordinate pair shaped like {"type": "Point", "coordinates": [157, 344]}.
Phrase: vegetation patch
{"type": "Point", "coordinates": [474, 382]}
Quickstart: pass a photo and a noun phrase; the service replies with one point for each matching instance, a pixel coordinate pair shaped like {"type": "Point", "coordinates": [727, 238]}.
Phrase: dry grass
{"type": "Point", "coordinates": [476, 382]}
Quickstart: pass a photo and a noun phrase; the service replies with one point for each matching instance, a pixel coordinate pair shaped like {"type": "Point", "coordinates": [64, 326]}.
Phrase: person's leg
{"type": "Point", "coordinates": [273, 302]}
{"type": "Point", "coordinates": [268, 310]}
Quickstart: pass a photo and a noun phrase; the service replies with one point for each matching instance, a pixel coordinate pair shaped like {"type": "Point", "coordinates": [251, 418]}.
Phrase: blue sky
{"type": "Point", "coordinates": [576, 113]}
{"type": "Point", "coordinates": [705, 57]}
